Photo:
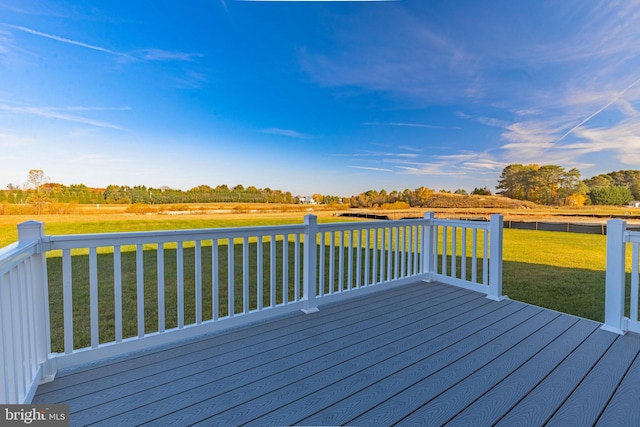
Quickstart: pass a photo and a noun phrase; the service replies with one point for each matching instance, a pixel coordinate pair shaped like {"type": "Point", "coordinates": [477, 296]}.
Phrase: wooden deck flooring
{"type": "Point", "coordinates": [423, 354]}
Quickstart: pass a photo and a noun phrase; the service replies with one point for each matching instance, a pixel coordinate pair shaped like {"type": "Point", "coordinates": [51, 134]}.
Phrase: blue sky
{"type": "Point", "coordinates": [316, 97]}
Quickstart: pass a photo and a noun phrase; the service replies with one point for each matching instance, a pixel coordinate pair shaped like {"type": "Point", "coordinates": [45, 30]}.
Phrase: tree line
{"type": "Point", "coordinates": [545, 185]}
{"type": "Point", "coordinates": [554, 186]}
{"type": "Point", "coordinates": [124, 194]}
{"type": "Point", "coordinates": [549, 185]}
{"type": "Point", "coordinates": [37, 191]}
{"type": "Point", "coordinates": [393, 199]}
{"type": "Point", "coordinates": [201, 194]}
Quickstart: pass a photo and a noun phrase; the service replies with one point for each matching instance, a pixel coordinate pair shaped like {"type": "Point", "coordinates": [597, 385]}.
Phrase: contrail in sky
{"type": "Point", "coordinates": [64, 40]}
{"type": "Point", "coordinates": [615, 98]}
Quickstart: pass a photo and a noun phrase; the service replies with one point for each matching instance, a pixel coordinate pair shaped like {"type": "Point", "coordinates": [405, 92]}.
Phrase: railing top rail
{"type": "Point", "coordinates": [462, 223]}
{"type": "Point", "coordinates": [70, 241]}
{"type": "Point", "coordinates": [8, 249]}
{"type": "Point", "coordinates": [369, 224]}
{"type": "Point", "coordinates": [16, 253]}
{"type": "Point", "coordinates": [632, 236]}
{"type": "Point", "coordinates": [112, 239]}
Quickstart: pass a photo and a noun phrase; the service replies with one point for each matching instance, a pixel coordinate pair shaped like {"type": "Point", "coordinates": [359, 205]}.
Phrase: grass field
{"type": "Point", "coordinates": [114, 218]}
{"type": "Point", "coordinates": [560, 271]}
{"type": "Point", "coordinates": [111, 223]}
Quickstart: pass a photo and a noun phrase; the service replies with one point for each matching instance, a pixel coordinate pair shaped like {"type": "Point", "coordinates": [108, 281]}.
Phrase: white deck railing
{"type": "Point", "coordinates": [24, 317]}
{"type": "Point", "coordinates": [622, 296]}
{"type": "Point", "coordinates": [459, 254]}
{"type": "Point", "coordinates": [118, 292]}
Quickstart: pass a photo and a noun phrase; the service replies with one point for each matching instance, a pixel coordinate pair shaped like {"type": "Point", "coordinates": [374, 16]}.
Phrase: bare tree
{"type": "Point", "coordinates": [35, 180]}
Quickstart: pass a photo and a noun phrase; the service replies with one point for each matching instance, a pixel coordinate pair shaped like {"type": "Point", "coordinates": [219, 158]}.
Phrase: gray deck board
{"type": "Point", "coordinates": [435, 399]}
{"type": "Point", "coordinates": [622, 410]}
{"type": "Point", "coordinates": [591, 397]}
{"type": "Point", "coordinates": [230, 341]}
{"type": "Point", "coordinates": [491, 406]}
{"type": "Point", "coordinates": [226, 372]}
{"type": "Point", "coordinates": [544, 400]}
{"type": "Point", "coordinates": [422, 354]}
{"type": "Point", "coordinates": [267, 370]}
{"type": "Point", "coordinates": [261, 337]}
{"type": "Point", "coordinates": [353, 375]}
{"type": "Point", "coordinates": [438, 354]}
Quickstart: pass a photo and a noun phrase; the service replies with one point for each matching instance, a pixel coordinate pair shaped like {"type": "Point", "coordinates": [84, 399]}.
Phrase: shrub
{"type": "Point", "coordinates": [16, 209]}
{"type": "Point", "coordinates": [576, 200]}
{"type": "Point", "coordinates": [396, 205]}
{"type": "Point", "coordinates": [611, 196]}
{"type": "Point", "coordinates": [63, 208]}
{"type": "Point", "coordinates": [141, 209]}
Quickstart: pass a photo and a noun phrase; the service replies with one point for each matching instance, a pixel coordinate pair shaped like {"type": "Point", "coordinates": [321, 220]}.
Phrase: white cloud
{"type": "Point", "coordinates": [488, 121]}
{"type": "Point", "coordinates": [164, 55]}
{"type": "Point", "coordinates": [371, 168]}
{"type": "Point", "coordinates": [136, 55]}
{"type": "Point", "coordinates": [10, 51]}
{"type": "Point", "coordinates": [527, 112]}
{"type": "Point", "coordinates": [471, 160]}
{"type": "Point", "coordinates": [430, 169]}
{"type": "Point", "coordinates": [383, 154]}
{"type": "Point", "coordinates": [409, 148]}
{"type": "Point", "coordinates": [82, 108]}
{"type": "Point", "coordinates": [623, 140]}
{"type": "Point", "coordinates": [614, 99]}
{"type": "Point", "coordinates": [286, 132]}
{"type": "Point", "coordinates": [11, 140]}
{"type": "Point", "coordinates": [60, 113]}
{"type": "Point", "coordinates": [626, 108]}
{"type": "Point", "coordinates": [610, 29]}
{"type": "Point", "coordinates": [485, 164]}
{"type": "Point", "coordinates": [102, 159]}
{"type": "Point", "coordinates": [415, 125]}
{"type": "Point", "coordinates": [404, 57]}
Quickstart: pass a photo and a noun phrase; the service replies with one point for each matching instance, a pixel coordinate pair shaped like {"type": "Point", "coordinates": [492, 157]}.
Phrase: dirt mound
{"type": "Point", "coordinates": [445, 200]}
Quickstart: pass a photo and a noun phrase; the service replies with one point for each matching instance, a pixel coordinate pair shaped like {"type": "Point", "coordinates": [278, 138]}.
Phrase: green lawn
{"type": "Point", "coordinates": [560, 271]}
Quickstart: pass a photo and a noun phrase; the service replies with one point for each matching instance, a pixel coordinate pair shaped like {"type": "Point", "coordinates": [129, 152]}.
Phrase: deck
{"type": "Point", "coordinates": [421, 354]}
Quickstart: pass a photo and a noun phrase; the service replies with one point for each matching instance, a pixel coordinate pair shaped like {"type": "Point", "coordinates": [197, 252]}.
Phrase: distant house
{"type": "Point", "coordinates": [634, 204]}
{"type": "Point", "coordinates": [305, 200]}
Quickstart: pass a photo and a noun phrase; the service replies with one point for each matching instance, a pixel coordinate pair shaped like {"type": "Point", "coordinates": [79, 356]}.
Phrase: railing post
{"type": "Point", "coordinates": [28, 232]}
{"type": "Point", "coordinates": [427, 246]}
{"type": "Point", "coordinates": [614, 320]}
{"type": "Point", "coordinates": [309, 265]}
{"type": "Point", "coordinates": [496, 233]}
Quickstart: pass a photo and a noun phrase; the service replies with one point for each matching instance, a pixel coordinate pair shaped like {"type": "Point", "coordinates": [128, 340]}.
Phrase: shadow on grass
{"type": "Point", "coordinates": [570, 290]}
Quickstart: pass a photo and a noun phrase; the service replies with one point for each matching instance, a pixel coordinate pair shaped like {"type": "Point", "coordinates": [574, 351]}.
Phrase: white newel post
{"type": "Point", "coordinates": [495, 257]}
{"type": "Point", "coordinates": [615, 277]}
{"type": "Point", "coordinates": [28, 232]}
{"type": "Point", "coordinates": [427, 246]}
{"type": "Point", "coordinates": [309, 265]}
